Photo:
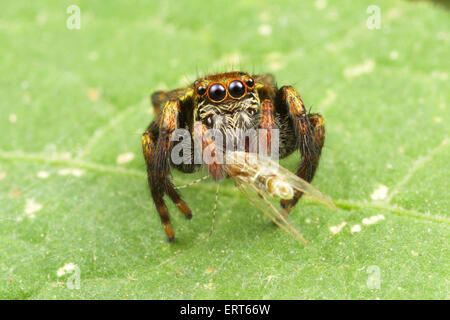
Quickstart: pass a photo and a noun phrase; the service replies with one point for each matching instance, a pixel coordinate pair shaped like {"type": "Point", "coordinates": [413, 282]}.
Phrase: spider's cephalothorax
{"type": "Point", "coordinates": [226, 102]}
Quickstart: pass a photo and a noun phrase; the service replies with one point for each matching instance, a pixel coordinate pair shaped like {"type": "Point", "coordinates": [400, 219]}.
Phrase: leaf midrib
{"type": "Point", "coordinates": [343, 204]}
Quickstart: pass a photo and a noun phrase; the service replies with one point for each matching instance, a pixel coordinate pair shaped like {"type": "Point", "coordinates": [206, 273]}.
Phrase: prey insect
{"type": "Point", "coordinates": [260, 178]}
{"type": "Point", "coordinates": [226, 103]}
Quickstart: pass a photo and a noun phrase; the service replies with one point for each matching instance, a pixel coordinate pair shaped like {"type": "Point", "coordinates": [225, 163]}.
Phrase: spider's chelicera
{"type": "Point", "coordinates": [223, 112]}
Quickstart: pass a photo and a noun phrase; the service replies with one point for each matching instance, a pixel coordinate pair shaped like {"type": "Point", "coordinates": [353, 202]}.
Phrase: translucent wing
{"type": "Point", "coordinates": [262, 180]}
{"type": "Point", "coordinates": [252, 167]}
{"type": "Point", "coordinates": [301, 185]}
{"type": "Point", "coordinates": [260, 199]}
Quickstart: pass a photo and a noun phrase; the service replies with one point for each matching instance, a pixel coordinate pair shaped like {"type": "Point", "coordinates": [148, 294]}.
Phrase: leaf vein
{"type": "Point", "coordinates": [418, 164]}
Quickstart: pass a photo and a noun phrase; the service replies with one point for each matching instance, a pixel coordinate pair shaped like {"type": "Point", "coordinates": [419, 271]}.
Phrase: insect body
{"type": "Point", "coordinates": [263, 173]}
{"type": "Point", "coordinates": [227, 103]}
{"type": "Point", "coordinates": [269, 176]}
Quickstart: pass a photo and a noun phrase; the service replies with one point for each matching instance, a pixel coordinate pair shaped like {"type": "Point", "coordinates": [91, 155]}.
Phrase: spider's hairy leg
{"type": "Point", "coordinates": [157, 158]}
{"type": "Point", "coordinates": [267, 123]}
{"type": "Point", "coordinates": [148, 147]}
{"type": "Point", "coordinates": [310, 135]}
{"type": "Point", "coordinates": [159, 98]}
{"type": "Point", "coordinates": [266, 86]}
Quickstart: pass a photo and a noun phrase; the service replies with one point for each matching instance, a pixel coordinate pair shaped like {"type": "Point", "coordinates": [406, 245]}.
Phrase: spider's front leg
{"type": "Point", "coordinates": [157, 158]}
{"type": "Point", "coordinates": [310, 135]}
{"type": "Point", "coordinates": [267, 123]}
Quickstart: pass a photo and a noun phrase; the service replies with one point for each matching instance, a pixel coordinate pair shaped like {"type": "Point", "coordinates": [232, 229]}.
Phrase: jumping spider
{"type": "Point", "coordinates": [242, 102]}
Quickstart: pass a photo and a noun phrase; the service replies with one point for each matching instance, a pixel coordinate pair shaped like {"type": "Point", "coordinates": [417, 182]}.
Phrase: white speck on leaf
{"type": "Point", "coordinates": [440, 75]}
{"type": "Point", "coordinates": [125, 158]}
{"type": "Point", "coordinates": [71, 171]}
{"type": "Point", "coordinates": [12, 118]}
{"type": "Point", "coordinates": [265, 30]}
{"type": "Point", "coordinates": [26, 97]}
{"type": "Point", "coordinates": [270, 277]}
{"type": "Point", "coordinates": [41, 18]}
{"type": "Point", "coordinates": [43, 174]}
{"type": "Point", "coordinates": [393, 55]}
{"type": "Point", "coordinates": [64, 172]}
{"type": "Point", "coordinates": [329, 98]}
{"type": "Point", "coordinates": [209, 285]}
{"type": "Point", "coordinates": [93, 94]}
{"type": "Point", "coordinates": [380, 192]}
{"type": "Point", "coordinates": [443, 36]}
{"type": "Point", "coordinates": [338, 228]}
{"type": "Point", "coordinates": [355, 228]}
{"type": "Point", "coordinates": [360, 69]}
{"type": "Point", "coordinates": [321, 4]}
{"type": "Point", "coordinates": [373, 219]}
{"type": "Point", "coordinates": [77, 172]}
{"type": "Point", "coordinates": [68, 267]}
{"type": "Point", "coordinates": [31, 207]}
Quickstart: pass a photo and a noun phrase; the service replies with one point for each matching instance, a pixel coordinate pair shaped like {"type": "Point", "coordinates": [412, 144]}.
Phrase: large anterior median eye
{"type": "Point", "coordinates": [217, 92]}
{"type": "Point", "coordinates": [236, 89]}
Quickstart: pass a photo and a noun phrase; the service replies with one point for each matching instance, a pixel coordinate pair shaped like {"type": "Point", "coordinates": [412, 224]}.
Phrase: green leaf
{"type": "Point", "coordinates": [73, 101]}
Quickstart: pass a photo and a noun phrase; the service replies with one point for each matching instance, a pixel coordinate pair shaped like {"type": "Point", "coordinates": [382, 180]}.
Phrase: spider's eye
{"type": "Point", "coordinates": [201, 90]}
{"type": "Point", "coordinates": [250, 82]}
{"type": "Point", "coordinates": [236, 89]}
{"type": "Point", "coordinates": [251, 111]}
{"type": "Point", "coordinates": [217, 92]}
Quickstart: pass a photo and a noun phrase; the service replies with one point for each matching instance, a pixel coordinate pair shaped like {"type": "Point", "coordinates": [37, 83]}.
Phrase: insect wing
{"type": "Point", "coordinates": [254, 165]}
{"type": "Point", "coordinates": [301, 185]}
{"type": "Point", "coordinates": [260, 199]}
